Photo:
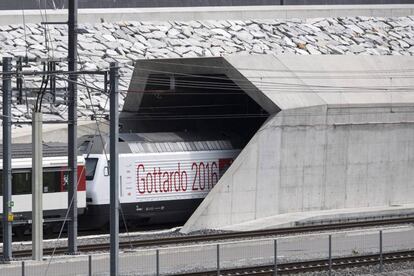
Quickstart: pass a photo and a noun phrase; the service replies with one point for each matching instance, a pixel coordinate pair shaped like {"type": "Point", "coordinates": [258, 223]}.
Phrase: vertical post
{"type": "Point", "coordinates": [218, 259]}
{"type": "Point", "coordinates": [275, 262]}
{"type": "Point", "coordinates": [157, 262]}
{"type": "Point", "coordinates": [37, 187]}
{"type": "Point", "coordinates": [7, 218]}
{"type": "Point", "coordinates": [114, 170]}
{"type": "Point", "coordinates": [330, 255]}
{"type": "Point", "coordinates": [381, 268]}
{"type": "Point", "coordinates": [19, 81]}
{"type": "Point", "coordinates": [90, 265]}
{"type": "Point", "coordinates": [23, 269]}
{"type": "Point", "coordinates": [52, 68]}
{"type": "Point", "coordinates": [106, 83]}
{"type": "Point", "coordinates": [72, 128]}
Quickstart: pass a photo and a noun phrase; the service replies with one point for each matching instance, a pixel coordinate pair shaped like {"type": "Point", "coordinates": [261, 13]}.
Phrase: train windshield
{"type": "Point", "coordinates": [90, 165]}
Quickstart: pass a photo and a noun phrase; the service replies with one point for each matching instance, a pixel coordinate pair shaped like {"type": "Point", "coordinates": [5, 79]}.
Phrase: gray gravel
{"type": "Point", "coordinates": [397, 269]}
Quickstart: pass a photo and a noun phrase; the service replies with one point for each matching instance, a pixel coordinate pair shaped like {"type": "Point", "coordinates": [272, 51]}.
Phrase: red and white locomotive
{"type": "Point", "coordinates": [163, 176]}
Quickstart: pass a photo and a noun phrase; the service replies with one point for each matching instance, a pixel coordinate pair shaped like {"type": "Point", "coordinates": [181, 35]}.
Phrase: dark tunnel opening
{"type": "Point", "coordinates": [201, 104]}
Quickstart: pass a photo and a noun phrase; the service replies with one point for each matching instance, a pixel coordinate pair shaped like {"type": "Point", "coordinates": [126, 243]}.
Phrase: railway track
{"type": "Point", "coordinates": [221, 236]}
{"type": "Point", "coordinates": [313, 265]}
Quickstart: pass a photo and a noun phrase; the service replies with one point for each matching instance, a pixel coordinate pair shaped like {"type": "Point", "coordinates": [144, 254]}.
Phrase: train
{"type": "Point", "coordinates": [163, 177]}
{"type": "Point", "coordinates": [55, 180]}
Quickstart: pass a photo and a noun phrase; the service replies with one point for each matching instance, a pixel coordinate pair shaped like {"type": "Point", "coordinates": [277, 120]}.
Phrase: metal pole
{"type": "Point", "coordinates": [275, 262]}
{"type": "Point", "coordinates": [157, 261]}
{"type": "Point", "coordinates": [330, 255]}
{"type": "Point", "coordinates": [23, 269]}
{"type": "Point", "coordinates": [106, 83]}
{"type": "Point", "coordinates": [90, 265]}
{"type": "Point", "coordinates": [37, 187]}
{"type": "Point", "coordinates": [218, 259]}
{"type": "Point", "coordinates": [381, 268]}
{"type": "Point", "coordinates": [114, 170]}
{"type": "Point", "coordinates": [7, 218]}
{"type": "Point", "coordinates": [72, 128]}
{"type": "Point", "coordinates": [19, 82]}
{"type": "Point", "coordinates": [52, 68]}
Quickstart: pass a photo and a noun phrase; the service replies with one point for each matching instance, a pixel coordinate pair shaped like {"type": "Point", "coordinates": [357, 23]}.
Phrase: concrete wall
{"type": "Point", "coordinates": [51, 4]}
{"type": "Point", "coordinates": [315, 159]}
{"type": "Point", "coordinates": [207, 13]}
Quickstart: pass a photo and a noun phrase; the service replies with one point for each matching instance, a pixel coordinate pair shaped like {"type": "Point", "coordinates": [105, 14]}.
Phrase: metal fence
{"type": "Point", "coordinates": [216, 257]}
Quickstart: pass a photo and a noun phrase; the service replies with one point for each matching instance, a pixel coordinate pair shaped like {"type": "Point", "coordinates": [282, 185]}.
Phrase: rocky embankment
{"type": "Point", "coordinates": [125, 42]}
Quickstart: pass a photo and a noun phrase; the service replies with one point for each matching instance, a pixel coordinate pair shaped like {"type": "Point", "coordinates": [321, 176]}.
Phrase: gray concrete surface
{"type": "Point", "coordinates": [59, 4]}
{"type": "Point", "coordinates": [331, 150]}
{"type": "Point", "coordinates": [208, 13]}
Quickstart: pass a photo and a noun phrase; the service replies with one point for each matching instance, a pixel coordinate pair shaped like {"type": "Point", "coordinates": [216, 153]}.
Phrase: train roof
{"type": "Point", "coordinates": [21, 150]}
{"type": "Point", "coordinates": [159, 142]}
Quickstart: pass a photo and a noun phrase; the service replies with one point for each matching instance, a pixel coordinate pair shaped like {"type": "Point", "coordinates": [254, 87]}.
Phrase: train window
{"type": "Point", "coordinates": [21, 183]}
{"type": "Point", "coordinates": [51, 181]}
{"type": "Point", "coordinates": [90, 166]}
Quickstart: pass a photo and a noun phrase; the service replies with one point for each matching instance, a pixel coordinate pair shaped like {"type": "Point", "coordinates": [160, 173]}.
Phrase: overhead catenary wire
{"type": "Point", "coordinates": [371, 71]}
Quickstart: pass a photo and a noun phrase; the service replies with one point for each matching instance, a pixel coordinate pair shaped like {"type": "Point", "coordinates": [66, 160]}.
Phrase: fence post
{"type": "Point", "coordinates": [218, 259]}
{"type": "Point", "coordinates": [380, 247]}
{"type": "Point", "coordinates": [330, 255]}
{"type": "Point", "coordinates": [275, 268]}
{"type": "Point", "coordinates": [157, 263]}
{"type": "Point", "coordinates": [23, 269]}
{"type": "Point", "coordinates": [90, 265]}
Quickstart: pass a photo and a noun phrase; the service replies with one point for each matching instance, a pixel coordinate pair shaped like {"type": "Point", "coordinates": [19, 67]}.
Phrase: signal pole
{"type": "Point", "coordinates": [7, 218]}
{"type": "Point", "coordinates": [114, 169]}
{"type": "Point", "coordinates": [72, 127]}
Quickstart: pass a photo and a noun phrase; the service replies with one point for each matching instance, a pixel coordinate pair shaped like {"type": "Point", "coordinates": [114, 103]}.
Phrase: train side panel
{"type": "Point", "coordinates": [156, 187]}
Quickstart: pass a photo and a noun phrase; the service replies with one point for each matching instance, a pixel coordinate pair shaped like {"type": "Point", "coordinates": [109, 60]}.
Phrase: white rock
{"type": "Point", "coordinates": [221, 32]}
{"type": "Point", "coordinates": [355, 29]}
{"type": "Point", "coordinates": [312, 49]}
{"type": "Point", "coordinates": [244, 36]}
{"type": "Point", "coordinates": [173, 33]}
{"type": "Point", "coordinates": [109, 37]}
{"type": "Point", "coordinates": [355, 48]}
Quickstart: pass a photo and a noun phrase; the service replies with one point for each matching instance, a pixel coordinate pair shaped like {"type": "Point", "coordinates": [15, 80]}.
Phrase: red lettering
{"type": "Point", "coordinates": [202, 182]}
{"type": "Point", "coordinates": [184, 188]}
{"type": "Point", "coordinates": [214, 176]}
{"type": "Point", "coordinates": [140, 179]}
{"type": "Point", "coordinates": [155, 180]}
{"type": "Point", "coordinates": [159, 178]}
{"type": "Point", "coordinates": [149, 175]}
{"type": "Point", "coordinates": [195, 176]}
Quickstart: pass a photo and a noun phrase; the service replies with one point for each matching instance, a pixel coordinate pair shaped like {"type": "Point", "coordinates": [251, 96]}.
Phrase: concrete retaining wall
{"type": "Point", "coordinates": [316, 159]}
{"type": "Point", "coordinates": [58, 4]}
{"type": "Point", "coordinates": [211, 13]}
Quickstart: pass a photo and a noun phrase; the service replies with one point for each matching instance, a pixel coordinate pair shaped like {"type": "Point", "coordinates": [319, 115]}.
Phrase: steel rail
{"type": "Point", "coordinates": [313, 265]}
{"type": "Point", "coordinates": [188, 239]}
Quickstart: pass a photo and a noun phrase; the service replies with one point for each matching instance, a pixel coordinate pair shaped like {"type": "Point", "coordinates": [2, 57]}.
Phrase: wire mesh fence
{"type": "Point", "coordinates": [179, 260]}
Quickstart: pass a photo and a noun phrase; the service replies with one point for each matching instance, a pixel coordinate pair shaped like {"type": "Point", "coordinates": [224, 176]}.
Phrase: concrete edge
{"type": "Point", "coordinates": [321, 217]}
{"type": "Point", "coordinates": [208, 13]}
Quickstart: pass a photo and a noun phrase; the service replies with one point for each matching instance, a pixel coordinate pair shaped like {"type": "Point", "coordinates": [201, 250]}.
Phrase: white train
{"type": "Point", "coordinates": [163, 176]}
{"type": "Point", "coordinates": [55, 195]}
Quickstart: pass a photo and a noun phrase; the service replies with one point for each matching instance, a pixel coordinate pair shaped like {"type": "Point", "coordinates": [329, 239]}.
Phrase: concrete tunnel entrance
{"type": "Point", "coordinates": [199, 102]}
{"type": "Point", "coordinates": [211, 104]}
